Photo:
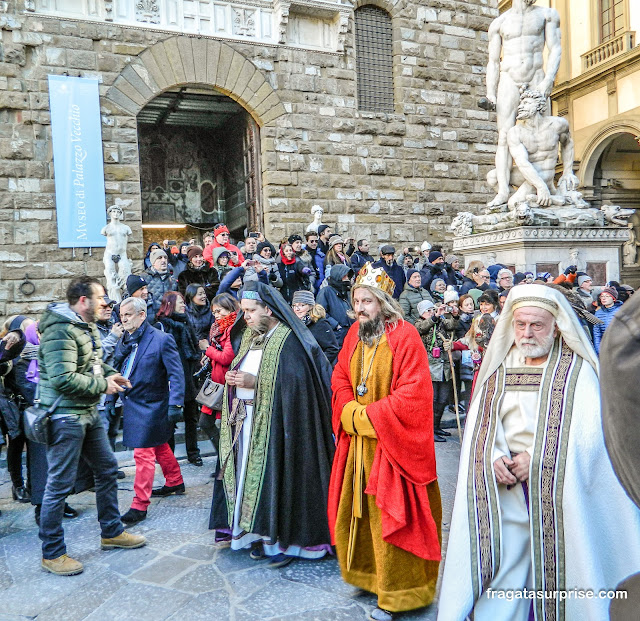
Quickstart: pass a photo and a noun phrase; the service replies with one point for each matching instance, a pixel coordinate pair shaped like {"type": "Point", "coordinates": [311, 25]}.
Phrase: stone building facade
{"type": "Point", "coordinates": [398, 175]}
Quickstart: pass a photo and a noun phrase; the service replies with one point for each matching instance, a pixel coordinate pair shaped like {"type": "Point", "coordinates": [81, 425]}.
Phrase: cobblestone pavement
{"type": "Point", "coordinates": [179, 575]}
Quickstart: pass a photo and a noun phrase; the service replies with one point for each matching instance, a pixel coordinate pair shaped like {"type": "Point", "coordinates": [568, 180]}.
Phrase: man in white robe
{"type": "Point", "coordinates": [539, 517]}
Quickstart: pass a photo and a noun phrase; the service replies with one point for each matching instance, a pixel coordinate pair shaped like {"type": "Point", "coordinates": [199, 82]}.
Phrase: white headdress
{"type": "Point", "coordinates": [539, 296]}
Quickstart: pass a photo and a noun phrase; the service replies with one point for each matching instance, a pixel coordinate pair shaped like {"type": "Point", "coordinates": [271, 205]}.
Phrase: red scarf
{"type": "Point", "coordinates": [221, 324]}
{"type": "Point", "coordinates": [287, 261]}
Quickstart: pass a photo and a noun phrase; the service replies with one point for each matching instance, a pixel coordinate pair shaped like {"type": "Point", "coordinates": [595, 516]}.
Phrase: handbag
{"type": "Point", "coordinates": [36, 420]}
{"type": "Point", "coordinates": [211, 394]}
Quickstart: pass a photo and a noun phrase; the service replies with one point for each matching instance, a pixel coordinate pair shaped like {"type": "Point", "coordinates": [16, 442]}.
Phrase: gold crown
{"type": "Point", "coordinates": [376, 278]}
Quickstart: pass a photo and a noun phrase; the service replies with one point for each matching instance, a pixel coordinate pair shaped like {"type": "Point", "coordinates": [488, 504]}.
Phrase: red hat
{"type": "Point", "coordinates": [221, 229]}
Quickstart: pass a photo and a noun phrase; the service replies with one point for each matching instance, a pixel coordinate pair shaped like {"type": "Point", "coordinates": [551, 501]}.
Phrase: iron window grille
{"type": "Point", "coordinates": [374, 59]}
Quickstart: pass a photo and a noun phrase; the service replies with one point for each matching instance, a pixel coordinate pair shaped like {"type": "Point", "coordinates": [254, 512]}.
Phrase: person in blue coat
{"type": "Point", "coordinates": [609, 306]}
{"type": "Point", "coordinates": [149, 359]}
{"type": "Point", "coordinates": [394, 271]}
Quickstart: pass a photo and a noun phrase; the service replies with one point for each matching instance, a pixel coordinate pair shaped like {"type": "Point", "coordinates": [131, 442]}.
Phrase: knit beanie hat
{"type": "Point", "coordinates": [261, 246]}
{"type": "Point", "coordinates": [426, 246]}
{"type": "Point", "coordinates": [156, 254]}
{"type": "Point", "coordinates": [425, 305]}
{"type": "Point", "coordinates": [134, 283]}
{"type": "Point", "coordinates": [582, 279]}
{"type": "Point", "coordinates": [434, 282]}
{"type": "Point", "coordinates": [335, 239]}
{"type": "Point", "coordinates": [433, 255]}
{"type": "Point", "coordinates": [303, 297]}
{"type": "Point", "coordinates": [193, 251]}
{"type": "Point", "coordinates": [410, 273]}
{"type": "Point", "coordinates": [322, 228]}
{"type": "Point", "coordinates": [518, 277]}
{"type": "Point", "coordinates": [611, 291]}
{"type": "Point", "coordinates": [452, 258]}
{"type": "Point", "coordinates": [450, 295]}
{"type": "Point", "coordinates": [295, 238]}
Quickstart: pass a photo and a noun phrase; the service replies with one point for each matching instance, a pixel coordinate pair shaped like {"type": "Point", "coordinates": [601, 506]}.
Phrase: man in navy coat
{"type": "Point", "coordinates": [150, 360]}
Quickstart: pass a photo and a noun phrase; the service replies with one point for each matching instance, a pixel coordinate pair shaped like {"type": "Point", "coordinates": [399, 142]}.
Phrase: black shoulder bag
{"type": "Point", "coordinates": [36, 420]}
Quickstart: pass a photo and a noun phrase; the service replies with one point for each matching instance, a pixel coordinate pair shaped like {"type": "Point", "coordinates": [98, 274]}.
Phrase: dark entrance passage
{"type": "Point", "coordinates": [199, 165]}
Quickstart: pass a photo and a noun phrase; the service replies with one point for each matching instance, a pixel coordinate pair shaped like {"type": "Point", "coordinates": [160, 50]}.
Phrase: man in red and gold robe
{"type": "Point", "coordinates": [384, 502]}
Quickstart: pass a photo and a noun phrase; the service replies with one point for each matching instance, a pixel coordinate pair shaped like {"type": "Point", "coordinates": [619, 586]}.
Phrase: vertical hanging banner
{"type": "Point", "coordinates": [77, 161]}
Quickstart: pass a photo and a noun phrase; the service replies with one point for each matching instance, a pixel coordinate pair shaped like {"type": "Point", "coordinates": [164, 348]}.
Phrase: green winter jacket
{"type": "Point", "coordinates": [68, 349]}
{"type": "Point", "coordinates": [409, 300]}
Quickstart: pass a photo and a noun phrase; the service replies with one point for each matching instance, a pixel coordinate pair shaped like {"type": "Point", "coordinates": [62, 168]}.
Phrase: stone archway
{"type": "Point", "coordinates": [597, 146]}
{"type": "Point", "coordinates": [183, 60]}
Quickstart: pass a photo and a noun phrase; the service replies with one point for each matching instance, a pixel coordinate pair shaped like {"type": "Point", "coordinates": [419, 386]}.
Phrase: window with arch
{"type": "Point", "coordinates": [374, 59]}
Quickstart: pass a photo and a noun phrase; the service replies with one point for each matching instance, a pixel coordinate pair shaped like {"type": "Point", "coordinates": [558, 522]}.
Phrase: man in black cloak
{"type": "Point", "coordinates": [276, 444]}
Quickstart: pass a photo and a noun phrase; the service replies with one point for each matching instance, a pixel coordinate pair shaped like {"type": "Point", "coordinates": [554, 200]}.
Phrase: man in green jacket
{"type": "Point", "coordinates": [71, 369]}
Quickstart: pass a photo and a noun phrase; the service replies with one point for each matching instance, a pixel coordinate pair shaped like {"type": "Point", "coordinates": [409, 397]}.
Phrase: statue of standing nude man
{"type": "Point", "coordinates": [520, 35]}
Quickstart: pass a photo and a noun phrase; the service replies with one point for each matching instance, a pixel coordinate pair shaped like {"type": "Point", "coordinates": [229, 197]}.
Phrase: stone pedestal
{"type": "Point", "coordinates": [541, 249]}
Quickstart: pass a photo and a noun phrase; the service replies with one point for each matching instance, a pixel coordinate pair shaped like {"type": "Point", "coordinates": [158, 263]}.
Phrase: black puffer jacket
{"type": "Point", "coordinates": [179, 327]}
{"type": "Point", "coordinates": [293, 278]}
{"type": "Point", "coordinates": [336, 300]}
{"type": "Point", "coordinates": [200, 318]}
{"type": "Point", "coordinates": [323, 333]}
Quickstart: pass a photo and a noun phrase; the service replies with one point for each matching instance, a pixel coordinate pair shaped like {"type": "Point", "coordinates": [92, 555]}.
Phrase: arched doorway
{"type": "Point", "coordinates": [203, 78]}
{"type": "Point", "coordinates": [611, 171]}
{"type": "Point", "coordinates": [199, 165]}
{"type": "Point", "coordinates": [616, 176]}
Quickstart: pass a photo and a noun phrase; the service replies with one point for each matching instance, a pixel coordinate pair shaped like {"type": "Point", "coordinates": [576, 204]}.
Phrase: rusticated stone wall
{"type": "Point", "coordinates": [399, 177]}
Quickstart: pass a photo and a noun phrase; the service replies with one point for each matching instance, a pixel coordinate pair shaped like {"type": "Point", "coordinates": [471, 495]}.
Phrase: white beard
{"type": "Point", "coordinates": [536, 349]}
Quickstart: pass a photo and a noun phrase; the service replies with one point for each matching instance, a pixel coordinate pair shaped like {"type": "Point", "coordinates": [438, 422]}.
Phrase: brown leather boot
{"type": "Point", "coordinates": [123, 540]}
{"type": "Point", "coordinates": [62, 566]}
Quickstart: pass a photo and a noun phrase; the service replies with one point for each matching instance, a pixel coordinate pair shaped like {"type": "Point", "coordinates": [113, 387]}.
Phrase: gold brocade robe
{"type": "Point", "coordinates": [401, 580]}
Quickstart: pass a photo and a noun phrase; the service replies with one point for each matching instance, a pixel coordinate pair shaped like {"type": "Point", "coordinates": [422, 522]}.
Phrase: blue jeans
{"type": "Point", "coordinates": [112, 426]}
{"type": "Point", "coordinates": [71, 438]}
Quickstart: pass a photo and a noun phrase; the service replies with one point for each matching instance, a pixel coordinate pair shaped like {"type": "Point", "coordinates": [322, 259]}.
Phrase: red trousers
{"type": "Point", "coordinates": [146, 459]}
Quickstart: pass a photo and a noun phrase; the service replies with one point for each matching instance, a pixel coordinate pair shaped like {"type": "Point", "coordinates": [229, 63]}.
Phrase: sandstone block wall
{"type": "Point", "coordinates": [399, 177]}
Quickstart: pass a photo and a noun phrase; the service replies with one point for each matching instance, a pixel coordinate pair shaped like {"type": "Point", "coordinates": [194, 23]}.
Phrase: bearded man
{"type": "Point", "coordinates": [532, 520]}
{"type": "Point", "coordinates": [384, 502]}
{"type": "Point", "coordinates": [275, 438]}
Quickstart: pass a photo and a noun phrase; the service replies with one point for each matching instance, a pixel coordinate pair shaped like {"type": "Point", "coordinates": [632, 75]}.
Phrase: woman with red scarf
{"type": "Point", "coordinates": [294, 273]}
{"type": "Point", "coordinates": [225, 309]}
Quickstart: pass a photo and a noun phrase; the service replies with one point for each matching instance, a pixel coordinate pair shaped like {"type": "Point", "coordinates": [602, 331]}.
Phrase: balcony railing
{"type": "Point", "coordinates": [608, 50]}
{"type": "Point", "coordinates": [316, 24]}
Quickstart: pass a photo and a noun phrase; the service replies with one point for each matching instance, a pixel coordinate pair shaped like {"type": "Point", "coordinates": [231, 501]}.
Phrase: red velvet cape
{"type": "Point", "coordinates": [405, 461]}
